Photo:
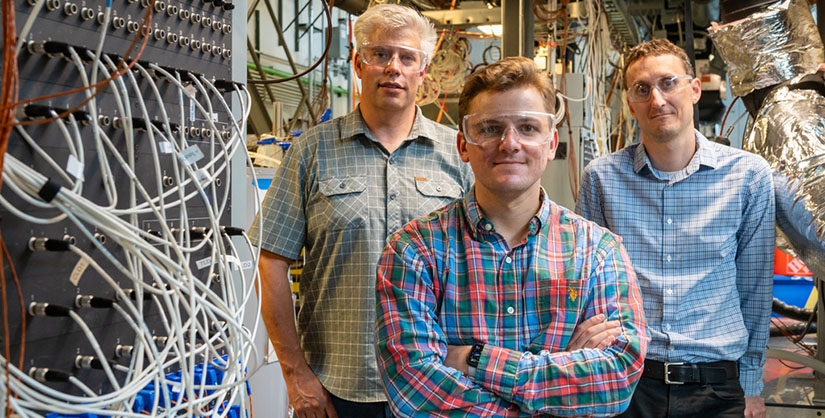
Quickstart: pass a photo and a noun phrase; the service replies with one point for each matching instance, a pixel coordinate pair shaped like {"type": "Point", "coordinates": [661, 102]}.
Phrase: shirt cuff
{"type": "Point", "coordinates": [751, 381]}
{"type": "Point", "coordinates": [497, 370]}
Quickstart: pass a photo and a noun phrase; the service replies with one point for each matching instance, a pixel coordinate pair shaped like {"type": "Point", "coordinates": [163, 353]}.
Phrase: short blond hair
{"type": "Point", "coordinates": [506, 74]}
{"type": "Point", "coordinates": [393, 17]}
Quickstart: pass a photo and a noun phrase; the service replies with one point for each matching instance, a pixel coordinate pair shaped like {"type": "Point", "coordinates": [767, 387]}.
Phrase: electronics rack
{"type": "Point", "coordinates": [105, 243]}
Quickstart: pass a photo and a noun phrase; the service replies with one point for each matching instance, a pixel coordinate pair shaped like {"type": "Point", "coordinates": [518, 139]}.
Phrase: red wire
{"type": "Point", "coordinates": [730, 106]}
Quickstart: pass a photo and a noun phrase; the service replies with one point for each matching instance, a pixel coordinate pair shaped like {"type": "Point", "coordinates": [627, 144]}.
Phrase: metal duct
{"type": "Point", "coordinates": [772, 58]}
{"type": "Point", "coordinates": [769, 47]}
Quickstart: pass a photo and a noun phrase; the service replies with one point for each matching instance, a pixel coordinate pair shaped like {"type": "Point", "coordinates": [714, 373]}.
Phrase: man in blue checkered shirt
{"type": "Point", "coordinates": [697, 219]}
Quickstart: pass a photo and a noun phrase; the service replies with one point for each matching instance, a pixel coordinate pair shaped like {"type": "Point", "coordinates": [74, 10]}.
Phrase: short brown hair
{"type": "Point", "coordinates": [655, 48]}
{"type": "Point", "coordinates": [503, 75]}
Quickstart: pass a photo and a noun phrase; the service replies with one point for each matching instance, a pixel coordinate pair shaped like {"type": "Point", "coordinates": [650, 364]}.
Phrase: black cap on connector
{"type": "Point", "coordinates": [232, 230]}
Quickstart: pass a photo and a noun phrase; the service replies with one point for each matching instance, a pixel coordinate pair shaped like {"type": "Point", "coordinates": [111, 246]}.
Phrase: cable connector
{"type": "Point", "coordinates": [46, 309]}
{"type": "Point", "coordinates": [232, 230]}
{"type": "Point", "coordinates": [48, 244]}
{"type": "Point", "coordinates": [44, 374]}
{"type": "Point", "coordinates": [124, 350]}
{"type": "Point", "coordinates": [89, 301]}
{"type": "Point", "coordinates": [88, 362]}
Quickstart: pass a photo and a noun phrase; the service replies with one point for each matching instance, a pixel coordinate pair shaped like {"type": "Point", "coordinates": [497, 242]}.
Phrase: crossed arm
{"type": "Point", "coordinates": [425, 376]}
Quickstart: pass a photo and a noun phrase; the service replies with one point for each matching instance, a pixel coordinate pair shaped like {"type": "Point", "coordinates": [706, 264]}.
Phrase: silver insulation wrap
{"type": "Point", "coordinates": [769, 47]}
{"type": "Point", "coordinates": [789, 132]}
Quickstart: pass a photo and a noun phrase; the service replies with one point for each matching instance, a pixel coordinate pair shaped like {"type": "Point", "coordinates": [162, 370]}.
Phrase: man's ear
{"type": "Point", "coordinates": [630, 106]}
{"type": "Point", "coordinates": [554, 145]}
{"type": "Point", "coordinates": [461, 144]}
{"type": "Point", "coordinates": [696, 89]}
{"type": "Point", "coordinates": [356, 64]}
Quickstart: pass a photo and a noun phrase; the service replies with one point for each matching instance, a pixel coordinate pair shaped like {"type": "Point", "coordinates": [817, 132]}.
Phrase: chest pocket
{"type": "Point", "coordinates": [344, 202]}
{"type": "Point", "coordinates": [435, 193]}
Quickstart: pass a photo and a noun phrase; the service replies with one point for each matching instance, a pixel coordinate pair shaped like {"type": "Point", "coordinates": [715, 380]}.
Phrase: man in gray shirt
{"type": "Point", "coordinates": [342, 188]}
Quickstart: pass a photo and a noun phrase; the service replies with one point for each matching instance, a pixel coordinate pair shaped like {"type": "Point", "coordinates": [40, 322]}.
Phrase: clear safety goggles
{"type": "Point", "coordinates": [381, 55]}
{"type": "Point", "coordinates": [531, 128]}
{"type": "Point", "coordinates": [640, 92]}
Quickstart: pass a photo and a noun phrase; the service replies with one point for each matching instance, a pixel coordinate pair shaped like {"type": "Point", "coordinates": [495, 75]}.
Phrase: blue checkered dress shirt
{"type": "Point", "coordinates": [701, 241]}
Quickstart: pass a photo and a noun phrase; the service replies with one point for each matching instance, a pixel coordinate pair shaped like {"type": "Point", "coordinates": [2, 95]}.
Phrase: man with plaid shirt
{"type": "Point", "coordinates": [504, 304]}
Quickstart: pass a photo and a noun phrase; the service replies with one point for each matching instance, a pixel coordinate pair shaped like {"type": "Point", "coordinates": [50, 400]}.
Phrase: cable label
{"type": "Point", "coordinates": [191, 155]}
{"type": "Point", "coordinates": [78, 270]}
{"type": "Point", "coordinates": [202, 177]}
{"type": "Point", "coordinates": [74, 167]}
{"type": "Point", "coordinates": [203, 263]}
{"type": "Point", "coordinates": [166, 147]}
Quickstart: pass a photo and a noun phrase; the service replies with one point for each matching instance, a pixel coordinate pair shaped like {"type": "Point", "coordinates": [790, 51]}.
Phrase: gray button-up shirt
{"type": "Point", "coordinates": [339, 193]}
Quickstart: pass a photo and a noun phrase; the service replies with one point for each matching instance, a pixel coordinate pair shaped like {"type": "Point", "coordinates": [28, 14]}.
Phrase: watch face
{"type": "Point", "coordinates": [475, 355]}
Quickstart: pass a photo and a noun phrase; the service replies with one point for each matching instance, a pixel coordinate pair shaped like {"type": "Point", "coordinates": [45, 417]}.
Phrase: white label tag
{"type": "Point", "coordinates": [74, 167]}
{"type": "Point", "coordinates": [175, 386]}
{"type": "Point", "coordinates": [166, 147]}
{"type": "Point", "coordinates": [191, 110]}
{"type": "Point", "coordinates": [246, 265]}
{"type": "Point", "coordinates": [190, 91]}
{"type": "Point", "coordinates": [202, 177]}
{"type": "Point", "coordinates": [203, 263]}
{"type": "Point", "coordinates": [78, 270]}
{"type": "Point", "coordinates": [215, 117]}
{"type": "Point", "coordinates": [191, 155]}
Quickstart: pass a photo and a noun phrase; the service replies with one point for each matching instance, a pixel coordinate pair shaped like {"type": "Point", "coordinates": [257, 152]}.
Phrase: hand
{"type": "Point", "coordinates": [457, 357]}
{"type": "Point", "coordinates": [307, 396]}
{"type": "Point", "coordinates": [594, 333]}
{"type": "Point", "coordinates": [754, 407]}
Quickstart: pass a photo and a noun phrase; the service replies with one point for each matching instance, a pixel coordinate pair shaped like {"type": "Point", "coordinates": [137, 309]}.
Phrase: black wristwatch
{"type": "Point", "coordinates": [475, 355]}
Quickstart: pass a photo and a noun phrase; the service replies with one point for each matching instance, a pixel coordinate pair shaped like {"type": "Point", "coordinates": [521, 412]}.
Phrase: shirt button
{"type": "Point", "coordinates": [392, 197]}
{"type": "Point", "coordinates": [508, 260]}
{"type": "Point", "coordinates": [669, 221]}
{"type": "Point", "coordinates": [670, 291]}
{"type": "Point", "coordinates": [488, 227]}
{"type": "Point", "coordinates": [667, 258]}
{"type": "Point", "coordinates": [438, 188]}
{"type": "Point", "coordinates": [341, 186]}
{"type": "Point", "coordinates": [667, 327]}
{"type": "Point", "coordinates": [511, 310]}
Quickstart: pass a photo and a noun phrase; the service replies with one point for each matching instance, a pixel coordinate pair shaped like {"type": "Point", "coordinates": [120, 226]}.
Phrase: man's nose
{"type": "Point", "coordinates": [394, 65]}
{"type": "Point", "coordinates": [510, 140]}
{"type": "Point", "coordinates": [656, 97]}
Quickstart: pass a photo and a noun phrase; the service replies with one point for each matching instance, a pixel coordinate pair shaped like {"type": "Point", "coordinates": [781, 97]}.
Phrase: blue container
{"type": "Point", "coordinates": [793, 290]}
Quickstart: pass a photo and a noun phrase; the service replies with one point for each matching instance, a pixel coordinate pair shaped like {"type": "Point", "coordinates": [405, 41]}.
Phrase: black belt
{"type": "Point", "coordinates": [681, 373]}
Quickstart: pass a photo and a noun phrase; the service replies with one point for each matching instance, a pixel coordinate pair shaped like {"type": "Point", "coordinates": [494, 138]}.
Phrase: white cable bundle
{"type": "Point", "coordinates": [201, 310]}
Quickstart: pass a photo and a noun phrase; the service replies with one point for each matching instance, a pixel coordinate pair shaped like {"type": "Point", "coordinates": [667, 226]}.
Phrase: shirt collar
{"type": "Point", "coordinates": [705, 155]}
{"type": "Point", "coordinates": [353, 124]}
{"type": "Point", "coordinates": [479, 225]}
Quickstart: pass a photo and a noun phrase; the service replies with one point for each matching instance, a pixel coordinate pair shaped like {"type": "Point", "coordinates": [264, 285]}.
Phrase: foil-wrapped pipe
{"type": "Point", "coordinates": [789, 132]}
{"type": "Point", "coordinates": [773, 56]}
{"type": "Point", "coordinates": [769, 47]}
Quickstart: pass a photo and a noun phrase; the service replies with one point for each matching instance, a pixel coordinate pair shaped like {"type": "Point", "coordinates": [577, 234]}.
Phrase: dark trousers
{"type": "Point", "coordinates": [654, 398]}
{"type": "Point", "coordinates": [349, 409]}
